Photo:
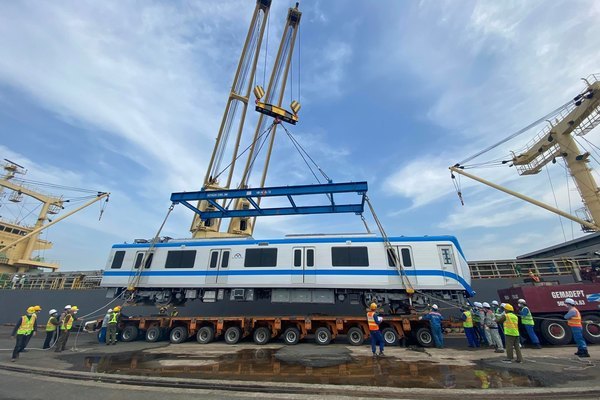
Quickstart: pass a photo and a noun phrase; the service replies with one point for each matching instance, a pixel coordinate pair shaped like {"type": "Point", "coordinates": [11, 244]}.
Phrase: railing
{"type": "Point", "coordinates": [52, 281]}
{"type": "Point", "coordinates": [490, 269]}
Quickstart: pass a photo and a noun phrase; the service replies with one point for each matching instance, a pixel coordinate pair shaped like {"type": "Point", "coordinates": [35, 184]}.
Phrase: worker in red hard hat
{"type": "Point", "coordinates": [373, 319]}
{"type": "Point", "coordinates": [573, 318]}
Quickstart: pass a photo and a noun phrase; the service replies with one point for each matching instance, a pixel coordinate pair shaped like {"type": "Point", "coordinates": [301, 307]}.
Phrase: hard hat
{"type": "Point", "coordinates": [435, 307]}
{"type": "Point", "coordinates": [74, 308]}
{"type": "Point", "coordinates": [53, 311]}
{"type": "Point", "coordinates": [117, 308]}
{"type": "Point", "coordinates": [502, 305]}
{"type": "Point", "coordinates": [495, 302]}
{"type": "Point", "coordinates": [37, 308]}
{"type": "Point", "coordinates": [570, 301]}
{"type": "Point", "coordinates": [373, 306]}
{"type": "Point", "coordinates": [477, 304]}
{"type": "Point", "coordinates": [30, 310]}
{"type": "Point", "coordinates": [522, 301]}
{"type": "Point", "coordinates": [508, 307]}
{"type": "Point", "coordinates": [109, 310]}
{"type": "Point", "coordinates": [67, 307]}
{"type": "Point", "coordinates": [486, 304]}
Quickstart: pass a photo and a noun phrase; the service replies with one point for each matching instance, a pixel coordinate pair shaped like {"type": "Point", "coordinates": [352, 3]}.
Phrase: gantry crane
{"type": "Point", "coordinates": [577, 117]}
{"type": "Point", "coordinates": [240, 94]}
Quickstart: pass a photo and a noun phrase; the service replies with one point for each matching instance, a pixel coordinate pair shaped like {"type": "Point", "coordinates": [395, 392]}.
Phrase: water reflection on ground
{"type": "Point", "coordinates": [263, 365]}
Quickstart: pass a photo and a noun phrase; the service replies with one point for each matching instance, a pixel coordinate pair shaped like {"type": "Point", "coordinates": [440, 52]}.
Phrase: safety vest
{"type": "Point", "coordinates": [26, 326]}
{"type": "Point", "coordinates": [371, 319]}
{"type": "Point", "coordinates": [475, 316]}
{"type": "Point", "coordinates": [468, 323]}
{"type": "Point", "coordinates": [113, 318]}
{"type": "Point", "coordinates": [511, 325]}
{"type": "Point", "coordinates": [576, 320]}
{"type": "Point", "coordinates": [527, 319]}
{"type": "Point", "coordinates": [51, 324]}
{"type": "Point", "coordinates": [69, 323]}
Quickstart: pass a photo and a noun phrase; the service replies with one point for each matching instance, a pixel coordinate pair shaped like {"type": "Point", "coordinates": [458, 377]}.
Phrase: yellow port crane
{"type": "Point", "coordinates": [268, 103]}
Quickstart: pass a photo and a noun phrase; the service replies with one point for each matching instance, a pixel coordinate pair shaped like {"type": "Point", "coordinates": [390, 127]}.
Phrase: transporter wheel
{"type": "Point", "coordinates": [153, 334]}
{"type": "Point", "coordinates": [262, 335]}
{"type": "Point", "coordinates": [291, 336]}
{"type": "Point", "coordinates": [205, 335]}
{"type": "Point", "coordinates": [129, 333]}
{"type": "Point", "coordinates": [178, 335]}
{"type": "Point", "coordinates": [232, 335]}
{"type": "Point", "coordinates": [424, 337]}
{"type": "Point", "coordinates": [356, 337]}
{"type": "Point", "coordinates": [556, 332]}
{"type": "Point", "coordinates": [322, 336]}
{"type": "Point", "coordinates": [591, 332]}
{"type": "Point", "coordinates": [390, 336]}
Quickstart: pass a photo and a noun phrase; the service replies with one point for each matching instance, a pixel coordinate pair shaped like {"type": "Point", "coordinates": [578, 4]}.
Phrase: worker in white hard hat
{"type": "Point", "coordinates": [63, 315]}
{"type": "Point", "coordinates": [478, 318]}
{"type": "Point", "coordinates": [102, 334]}
{"type": "Point", "coordinates": [435, 324]}
{"type": "Point", "coordinates": [527, 322]}
{"type": "Point", "coordinates": [573, 318]}
{"type": "Point", "coordinates": [51, 329]}
{"type": "Point", "coordinates": [491, 329]}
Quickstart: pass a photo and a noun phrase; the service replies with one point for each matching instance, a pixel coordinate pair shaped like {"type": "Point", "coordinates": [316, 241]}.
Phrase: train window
{"type": "Point", "coordinates": [138, 260]}
{"type": "Point", "coordinates": [149, 260]}
{"type": "Point", "coordinates": [406, 258]}
{"type": "Point", "coordinates": [310, 258]}
{"type": "Point", "coordinates": [260, 258]}
{"type": "Point", "coordinates": [298, 258]}
{"type": "Point", "coordinates": [392, 257]}
{"type": "Point", "coordinates": [118, 259]}
{"type": "Point", "coordinates": [225, 259]}
{"type": "Point", "coordinates": [180, 259]}
{"type": "Point", "coordinates": [349, 257]}
{"type": "Point", "coordinates": [214, 256]}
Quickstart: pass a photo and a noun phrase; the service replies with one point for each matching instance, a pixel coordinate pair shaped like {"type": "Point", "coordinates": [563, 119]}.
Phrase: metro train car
{"type": "Point", "coordinates": [307, 269]}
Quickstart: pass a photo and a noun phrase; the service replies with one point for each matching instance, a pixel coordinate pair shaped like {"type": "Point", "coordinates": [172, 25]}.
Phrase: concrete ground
{"type": "Point", "coordinates": [276, 371]}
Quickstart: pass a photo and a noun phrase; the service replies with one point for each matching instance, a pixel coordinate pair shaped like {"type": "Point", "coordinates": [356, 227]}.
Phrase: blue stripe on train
{"type": "Point", "coordinates": [362, 272]}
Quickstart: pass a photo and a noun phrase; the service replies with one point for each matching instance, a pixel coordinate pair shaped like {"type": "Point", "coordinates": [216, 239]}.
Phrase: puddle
{"type": "Point", "coordinates": [266, 365]}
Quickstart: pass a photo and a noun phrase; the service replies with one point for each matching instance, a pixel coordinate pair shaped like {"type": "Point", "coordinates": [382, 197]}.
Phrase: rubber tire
{"type": "Point", "coordinates": [592, 337]}
{"type": "Point", "coordinates": [205, 335]}
{"type": "Point", "coordinates": [178, 335]}
{"type": "Point", "coordinates": [424, 337]}
{"type": "Point", "coordinates": [563, 333]}
{"type": "Point", "coordinates": [232, 335]}
{"type": "Point", "coordinates": [356, 337]}
{"type": "Point", "coordinates": [322, 336]}
{"type": "Point", "coordinates": [154, 334]}
{"type": "Point", "coordinates": [261, 335]}
{"type": "Point", "coordinates": [390, 336]}
{"type": "Point", "coordinates": [129, 333]}
{"type": "Point", "coordinates": [291, 336]}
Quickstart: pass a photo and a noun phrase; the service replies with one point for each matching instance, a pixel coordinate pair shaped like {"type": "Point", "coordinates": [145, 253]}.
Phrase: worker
{"type": "Point", "coordinates": [174, 313]}
{"type": "Point", "coordinates": [478, 318]}
{"type": "Point", "coordinates": [491, 328]}
{"type": "Point", "coordinates": [435, 323]}
{"type": "Point", "coordinates": [65, 329]}
{"type": "Point", "coordinates": [111, 330]}
{"type": "Point", "coordinates": [373, 319]}
{"type": "Point", "coordinates": [22, 329]}
{"type": "Point", "coordinates": [573, 318]}
{"type": "Point", "coordinates": [63, 315]}
{"type": "Point", "coordinates": [467, 318]}
{"type": "Point", "coordinates": [51, 329]}
{"type": "Point", "coordinates": [36, 310]}
{"type": "Point", "coordinates": [511, 331]}
{"type": "Point", "coordinates": [498, 312]}
{"type": "Point", "coordinates": [527, 322]}
{"type": "Point", "coordinates": [102, 335]}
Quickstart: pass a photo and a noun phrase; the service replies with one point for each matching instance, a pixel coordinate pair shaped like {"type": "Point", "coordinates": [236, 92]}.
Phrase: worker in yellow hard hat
{"type": "Point", "coordinates": [373, 319]}
{"type": "Point", "coordinates": [65, 330]}
{"type": "Point", "coordinates": [34, 315]}
{"type": "Point", "coordinates": [511, 332]}
{"type": "Point", "coordinates": [23, 328]}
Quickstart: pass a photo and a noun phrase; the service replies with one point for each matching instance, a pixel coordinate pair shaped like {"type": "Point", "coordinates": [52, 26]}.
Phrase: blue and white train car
{"type": "Point", "coordinates": [321, 269]}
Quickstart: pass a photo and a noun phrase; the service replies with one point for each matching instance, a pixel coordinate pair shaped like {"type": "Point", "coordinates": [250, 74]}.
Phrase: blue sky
{"type": "Point", "coordinates": [127, 97]}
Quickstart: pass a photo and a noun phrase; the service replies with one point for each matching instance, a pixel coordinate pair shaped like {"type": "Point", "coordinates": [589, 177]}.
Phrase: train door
{"type": "Point", "coordinates": [303, 265]}
{"type": "Point", "coordinates": [447, 260]}
{"type": "Point", "coordinates": [403, 256]}
{"type": "Point", "coordinates": [218, 263]}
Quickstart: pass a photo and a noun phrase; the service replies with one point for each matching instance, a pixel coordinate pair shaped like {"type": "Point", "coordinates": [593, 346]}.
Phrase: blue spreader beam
{"type": "Point", "coordinates": [289, 192]}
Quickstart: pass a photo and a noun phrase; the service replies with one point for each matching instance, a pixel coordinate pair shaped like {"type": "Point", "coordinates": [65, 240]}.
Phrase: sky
{"type": "Point", "coordinates": [127, 97]}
